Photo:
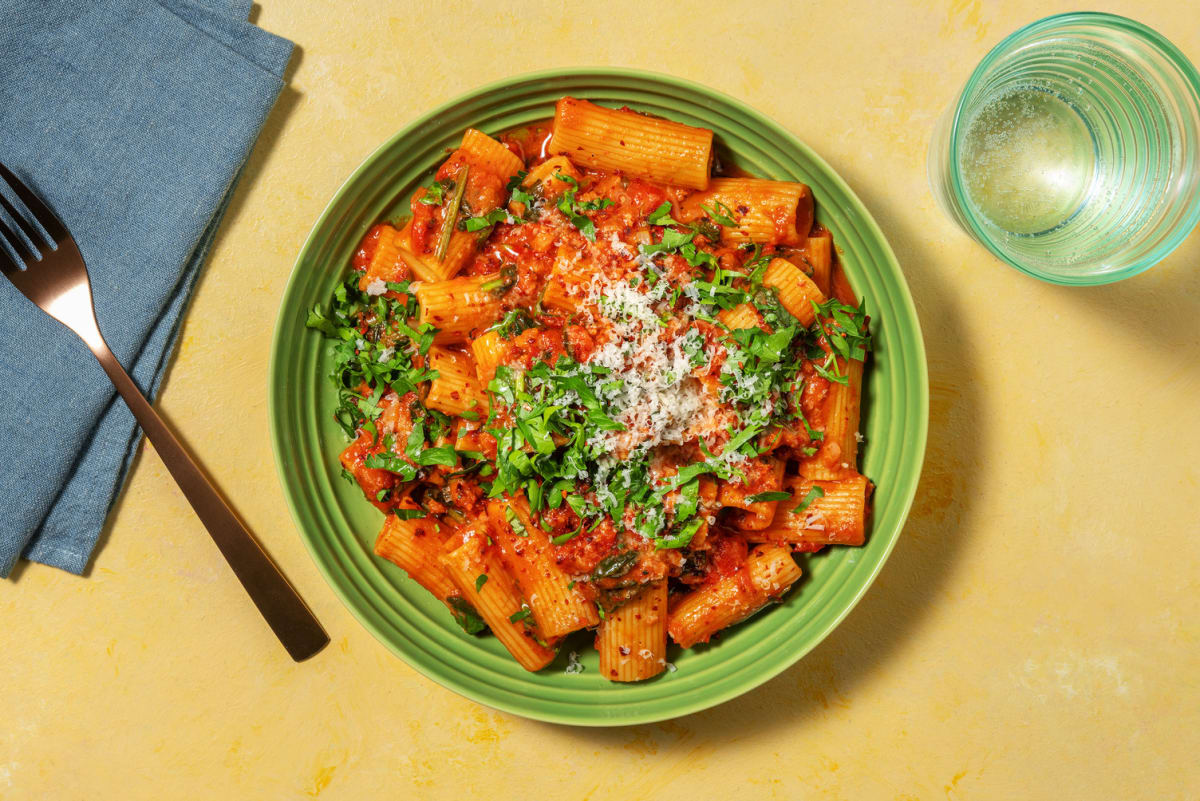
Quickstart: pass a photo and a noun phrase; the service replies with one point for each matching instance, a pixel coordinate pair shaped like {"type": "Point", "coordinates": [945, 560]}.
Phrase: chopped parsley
{"type": "Point", "coordinates": [484, 222]}
{"type": "Point", "coordinates": [435, 193]}
{"type": "Point", "coordinates": [465, 615]}
{"type": "Point", "coordinates": [514, 522]}
{"type": "Point", "coordinates": [720, 214]}
{"type": "Point", "coordinates": [813, 494]}
{"type": "Point", "coordinates": [513, 323]}
{"type": "Point", "coordinates": [574, 209]}
{"type": "Point", "coordinates": [518, 194]}
{"type": "Point", "coordinates": [764, 497]}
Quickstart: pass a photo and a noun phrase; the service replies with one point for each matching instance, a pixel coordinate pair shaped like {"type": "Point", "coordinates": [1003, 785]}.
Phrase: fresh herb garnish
{"type": "Point", "coordinates": [662, 216]}
{"type": "Point", "coordinates": [720, 213]}
{"type": "Point", "coordinates": [514, 521]}
{"type": "Point", "coordinates": [844, 328]}
{"type": "Point", "coordinates": [392, 463]}
{"type": "Point", "coordinates": [615, 566]}
{"type": "Point", "coordinates": [486, 221]}
{"type": "Point", "coordinates": [465, 614]}
{"type": "Point", "coordinates": [444, 456]}
{"type": "Point", "coordinates": [764, 497]}
{"type": "Point", "coordinates": [813, 494]}
{"type": "Point", "coordinates": [574, 209]}
{"type": "Point", "coordinates": [435, 193]}
{"type": "Point", "coordinates": [513, 323]}
{"type": "Point", "coordinates": [373, 345]}
{"type": "Point", "coordinates": [518, 194]}
{"type": "Point", "coordinates": [682, 537]}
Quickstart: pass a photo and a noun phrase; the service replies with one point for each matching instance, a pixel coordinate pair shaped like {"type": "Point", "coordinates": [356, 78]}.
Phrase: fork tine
{"type": "Point", "coordinates": [23, 227]}
{"type": "Point", "coordinates": [14, 239]}
{"type": "Point", "coordinates": [41, 212]}
{"type": "Point", "coordinates": [7, 265]}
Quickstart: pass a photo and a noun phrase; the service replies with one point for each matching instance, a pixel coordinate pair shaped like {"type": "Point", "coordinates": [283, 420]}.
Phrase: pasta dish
{"type": "Point", "coordinates": [595, 381]}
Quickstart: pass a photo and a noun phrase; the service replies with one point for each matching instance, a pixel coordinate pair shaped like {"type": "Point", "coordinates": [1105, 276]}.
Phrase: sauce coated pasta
{"type": "Point", "coordinates": [593, 386]}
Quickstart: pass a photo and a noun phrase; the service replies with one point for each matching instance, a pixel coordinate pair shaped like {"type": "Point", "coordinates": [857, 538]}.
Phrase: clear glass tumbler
{"type": "Point", "coordinates": [1073, 151]}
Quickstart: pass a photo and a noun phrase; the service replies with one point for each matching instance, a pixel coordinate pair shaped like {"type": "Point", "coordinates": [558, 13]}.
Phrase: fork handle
{"type": "Point", "coordinates": [286, 613]}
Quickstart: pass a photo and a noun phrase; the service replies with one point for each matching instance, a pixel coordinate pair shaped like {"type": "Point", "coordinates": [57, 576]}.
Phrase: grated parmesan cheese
{"type": "Point", "coordinates": [651, 389]}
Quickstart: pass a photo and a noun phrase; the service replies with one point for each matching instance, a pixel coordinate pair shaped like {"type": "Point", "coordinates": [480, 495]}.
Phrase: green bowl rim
{"type": "Point", "coordinates": [917, 437]}
{"type": "Point", "coordinates": [1167, 48]}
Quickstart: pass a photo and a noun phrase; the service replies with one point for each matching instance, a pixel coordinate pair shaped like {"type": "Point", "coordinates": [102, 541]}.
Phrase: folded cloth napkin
{"type": "Point", "coordinates": [132, 118]}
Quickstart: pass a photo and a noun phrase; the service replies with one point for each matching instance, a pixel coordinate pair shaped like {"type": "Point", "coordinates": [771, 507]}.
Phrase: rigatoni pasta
{"type": "Point", "coordinates": [558, 605]}
{"type": "Point", "coordinates": [766, 575]}
{"type": "Point", "coordinates": [459, 307]}
{"type": "Point", "coordinates": [599, 392]}
{"type": "Point", "coordinates": [478, 574]}
{"type": "Point", "coordinates": [632, 641]}
{"type": "Point", "coordinates": [759, 210]}
{"type": "Point", "coordinates": [835, 514]}
{"type": "Point", "coordinates": [635, 144]}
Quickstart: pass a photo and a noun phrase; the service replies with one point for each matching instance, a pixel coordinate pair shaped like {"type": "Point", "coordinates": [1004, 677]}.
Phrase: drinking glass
{"type": "Point", "coordinates": [1073, 150]}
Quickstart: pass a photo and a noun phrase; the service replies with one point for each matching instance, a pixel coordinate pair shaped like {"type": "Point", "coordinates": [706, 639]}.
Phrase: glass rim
{"type": "Point", "coordinates": [1150, 36]}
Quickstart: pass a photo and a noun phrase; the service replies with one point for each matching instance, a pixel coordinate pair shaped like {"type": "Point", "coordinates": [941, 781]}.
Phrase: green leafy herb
{"type": "Point", "coordinates": [682, 537]}
{"type": "Point", "coordinates": [680, 243]}
{"type": "Point", "coordinates": [444, 456]}
{"type": "Point", "coordinates": [480, 581]}
{"type": "Point", "coordinates": [409, 514]}
{"type": "Point", "coordinates": [319, 322]}
{"type": "Point", "coordinates": [486, 221]}
{"type": "Point", "coordinates": [615, 566]}
{"type": "Point", "coordinates": [720, 213]}
{"type": "Point", "coordinates": [568, 536]}
{"type": "Point", "coordinates": [506, 281]}
{"type": "Point", "coordinates": [520, 614]}
{"type": "Point", "coordinates": [518, 194]}
{"type": "Point", "coordinates": [513, 323]}
{"type": "Point", "coordinates": [764, 497]}
{"type": "Point", "coordinates": [574, 209]}
{"type": "Point", "coordinates": [813, 494]}
{"type": "Point", "coordinates": [435, 193]}
{"type": "Point", "coordinates": [662, 215]}
{"type": "Point", "coordinates": [392, 463]}
{"type": "Point", "coordinates": [845, 328]}
{"type": "Point", "coordinates": [515, 522]}
{"type": "Point", "coordinates": [465, 614]}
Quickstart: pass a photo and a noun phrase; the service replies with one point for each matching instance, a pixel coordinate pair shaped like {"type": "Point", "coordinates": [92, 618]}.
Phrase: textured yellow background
{"type": "Point", "coordinates": [1035, 635]}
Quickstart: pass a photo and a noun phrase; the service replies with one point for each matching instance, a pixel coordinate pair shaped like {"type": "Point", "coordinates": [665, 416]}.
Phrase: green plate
{"type": "Point", "coordinates": [339, 526]}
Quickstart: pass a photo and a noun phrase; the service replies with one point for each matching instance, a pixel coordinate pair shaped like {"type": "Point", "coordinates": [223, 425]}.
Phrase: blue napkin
{"type": "Point", "coordinates": [132, 118]}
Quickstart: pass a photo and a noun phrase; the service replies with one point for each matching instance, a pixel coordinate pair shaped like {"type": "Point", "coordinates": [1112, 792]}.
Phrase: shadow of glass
{"type": "Point", "coordinates": [897, 605]}
{"type": "Point", "coordinates": [1157, 310]}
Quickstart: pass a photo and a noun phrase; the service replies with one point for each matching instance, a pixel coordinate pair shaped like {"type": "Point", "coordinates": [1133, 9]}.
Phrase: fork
{"type": "Point", "coordinates": [56, 280]}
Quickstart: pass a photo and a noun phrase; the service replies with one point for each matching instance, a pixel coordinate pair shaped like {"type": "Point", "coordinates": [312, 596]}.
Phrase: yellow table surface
{"type": "Point", "coordinates": [1036, 633]}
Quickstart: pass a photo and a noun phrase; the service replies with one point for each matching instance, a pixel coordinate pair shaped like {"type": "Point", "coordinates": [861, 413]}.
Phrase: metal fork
{"type": "Point", "coordinates": [56, 280]}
